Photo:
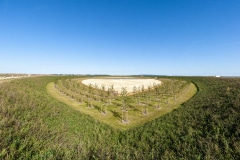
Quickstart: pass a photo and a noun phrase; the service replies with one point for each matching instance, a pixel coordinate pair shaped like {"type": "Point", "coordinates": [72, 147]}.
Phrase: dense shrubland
{"type": "Point", "coordinates": [33, 125]}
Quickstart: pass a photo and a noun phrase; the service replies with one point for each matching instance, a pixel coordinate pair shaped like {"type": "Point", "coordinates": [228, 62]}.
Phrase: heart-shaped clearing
{"type": "Point", "coordinates": [151, 99]}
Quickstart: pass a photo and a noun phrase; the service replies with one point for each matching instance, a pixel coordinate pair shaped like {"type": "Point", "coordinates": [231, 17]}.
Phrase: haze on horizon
{"type": "Point", "coordinates": [120, 37]}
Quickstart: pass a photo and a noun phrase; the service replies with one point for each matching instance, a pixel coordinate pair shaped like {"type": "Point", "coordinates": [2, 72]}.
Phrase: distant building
{"type": "Point", "coordinates": [218, 76]}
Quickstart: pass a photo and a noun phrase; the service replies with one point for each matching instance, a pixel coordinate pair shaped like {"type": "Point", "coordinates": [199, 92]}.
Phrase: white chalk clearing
{"type": "Point", "coordinates": [118, 83]}
{"type": "Point", "coordinates": [12, 77]}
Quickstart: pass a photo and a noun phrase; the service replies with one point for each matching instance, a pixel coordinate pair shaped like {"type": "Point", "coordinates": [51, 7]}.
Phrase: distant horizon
{"type": "Point", "coordinates": [130, 37]}
{"type": "Point", "coordinates": [79, 74]}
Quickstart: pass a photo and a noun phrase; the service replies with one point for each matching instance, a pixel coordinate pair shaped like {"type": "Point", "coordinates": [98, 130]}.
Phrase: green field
{"type": "Point", "coordinates": [35, 125]}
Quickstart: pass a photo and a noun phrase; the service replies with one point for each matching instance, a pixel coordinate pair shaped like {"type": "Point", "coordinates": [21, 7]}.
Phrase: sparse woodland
{"type": "Point", "coordinates": [105, 99]}
{"type": "Point", "coordinates": [34, 125]}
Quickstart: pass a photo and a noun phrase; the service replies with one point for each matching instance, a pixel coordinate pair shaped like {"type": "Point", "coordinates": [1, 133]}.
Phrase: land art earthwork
{"type": "Point", "coordinates": [122, 102]}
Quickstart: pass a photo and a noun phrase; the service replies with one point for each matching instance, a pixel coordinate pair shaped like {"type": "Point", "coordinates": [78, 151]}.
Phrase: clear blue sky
{"type": "Point", "coordinates": [167, 37]}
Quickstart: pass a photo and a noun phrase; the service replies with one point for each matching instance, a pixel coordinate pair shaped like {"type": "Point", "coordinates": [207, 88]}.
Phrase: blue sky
{"type": "Point", "coordinates": [120, 37]}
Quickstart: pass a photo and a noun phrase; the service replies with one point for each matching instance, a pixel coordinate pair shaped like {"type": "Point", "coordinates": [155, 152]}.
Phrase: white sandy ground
{"type": "Point", "coordinates": [118, 83]}
{"type": "Point", "coordinates": [6, 79]}
{"type": "Point", "coordinates": [12, 77]}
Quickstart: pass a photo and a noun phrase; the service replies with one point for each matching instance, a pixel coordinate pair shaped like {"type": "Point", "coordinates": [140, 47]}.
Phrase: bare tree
{"type": "Point", "coordinates": [157, 103]}
{"type": "Point", "coordinates": [149, 93]}
{"type": "Point", "coordinates": [104, 108]}
{"type": "Point", "coordinates": [144, 109]}
{"type": "Point", "coordinates": [110, 94]}
{"type": "Point", "coordinates": [103, 87]}
{"type": "Point", "coordinates": [124, 105]}
{"type": "Point", "coordinates": [139, 91]}
{"type": "Point", "coordinates": [135, 93]}
{"type": "Point", "coordinates": [89, 95]}
{"type": "Point", "coordinates": [142, 89]}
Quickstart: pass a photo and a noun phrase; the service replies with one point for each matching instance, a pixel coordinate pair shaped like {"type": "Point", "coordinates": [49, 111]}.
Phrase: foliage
{"type": "Point", "coordinates": [33, 125]}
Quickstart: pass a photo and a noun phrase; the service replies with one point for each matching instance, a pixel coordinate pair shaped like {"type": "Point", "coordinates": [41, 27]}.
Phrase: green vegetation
{"type": "Point", "coordinates": [122, 111]}
{"type": "Point", "coordinates": [34, 125]}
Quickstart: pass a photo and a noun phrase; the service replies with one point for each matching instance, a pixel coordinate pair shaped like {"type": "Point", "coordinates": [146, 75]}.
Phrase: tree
{"type": "Point", "coordinates": [110, 94]}
{"type": "Point", "coordinates": [149, 92]}
{"type": "Point", "coordinates": [144, 109]}
{"type": "Point", "coordinates": [96, 86]}
{"type": "Point", "coordinates": [135, 93]}
{"type": "Point", "coordinates": [124, 105]}
{"type": "Point", "coordinates": [97, 97]}
{"type": "Point", "coordinates": [157, 103]}
{"type": "Point", "coordinates": [103, 87]}
{"type": "Point", "coordinates": [89, 102]}
{"type": "Point", "coordinates": [104, 108]}
{"type": "Point", "coordinates": [139, 91]}
{"type": "Point", "coordinates": [142, 89]}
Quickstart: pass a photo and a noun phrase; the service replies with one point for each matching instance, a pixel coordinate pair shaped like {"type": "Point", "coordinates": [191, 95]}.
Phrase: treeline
{"type": "Point", "coordinates": [33, 125]}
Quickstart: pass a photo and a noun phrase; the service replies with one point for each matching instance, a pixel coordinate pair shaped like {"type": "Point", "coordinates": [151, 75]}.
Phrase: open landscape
{"type": "Point", "coordinates": [37, 125]}
{"type": "Point", "coordinates": [119, 80]}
